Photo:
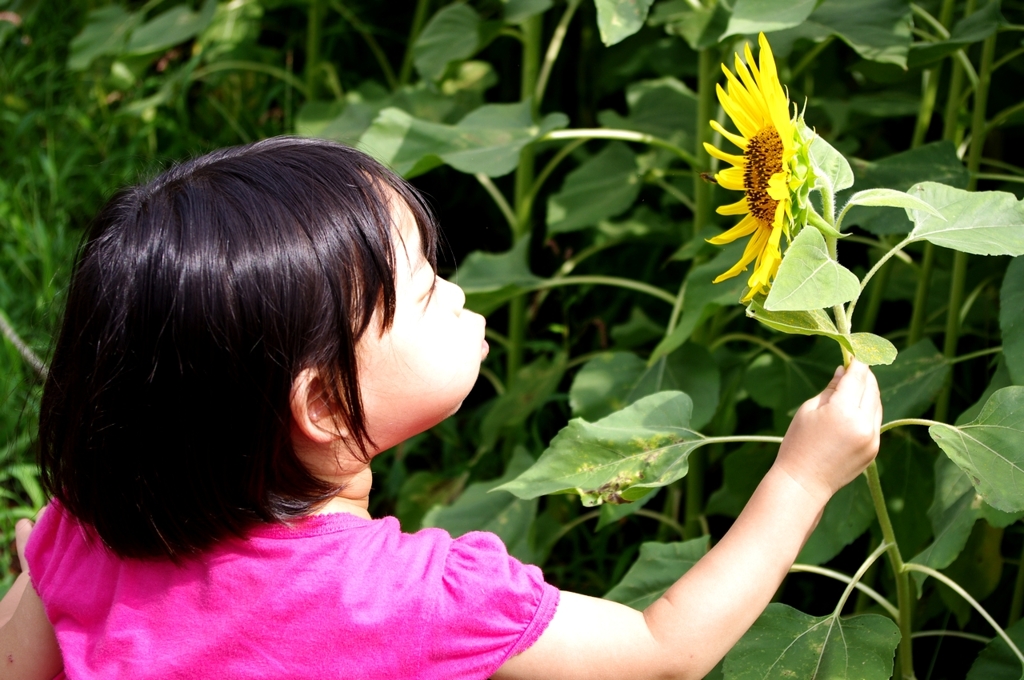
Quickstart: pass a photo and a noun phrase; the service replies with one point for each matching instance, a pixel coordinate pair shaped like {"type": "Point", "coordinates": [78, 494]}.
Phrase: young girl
{"type": "Point", "coordinates": [242, 335]}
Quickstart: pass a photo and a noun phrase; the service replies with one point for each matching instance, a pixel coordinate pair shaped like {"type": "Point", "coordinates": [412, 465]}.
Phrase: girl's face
{"type": "Point", "coordinates": [418, 373]}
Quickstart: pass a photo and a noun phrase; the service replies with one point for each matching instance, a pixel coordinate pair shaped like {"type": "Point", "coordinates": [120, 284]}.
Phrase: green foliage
{"type": "Point", "coordinates": [809, 278]}
{"type": "Point", "coordinates": [658, 567]}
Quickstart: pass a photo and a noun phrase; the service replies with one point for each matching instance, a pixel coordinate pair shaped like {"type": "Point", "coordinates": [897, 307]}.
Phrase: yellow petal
{"type": "Point", "coordinates": [740, 207]}
{"type": "Point", "coordinates": [755, 92]}
{"type": "Point", "coordinates": [745, 227]}
{"type": "Point", "coordinates": [778, 187]}
{"type": "Point", "coordinates": [731, 178]}
{"type": "Point", "coordinates": [735, 160]}
{"type": "Point", "coordinates": [756, 112]}
{"type": "Point", "coordinates": [747, 127]}
{"type": "Point", "coordinates": [735, 139]}
{"type": "Point", "coordinates": [754, 246]}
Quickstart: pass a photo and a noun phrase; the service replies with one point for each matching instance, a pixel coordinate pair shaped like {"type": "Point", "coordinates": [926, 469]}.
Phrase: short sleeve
{"type": "Point", "coordinates": [490, 607]}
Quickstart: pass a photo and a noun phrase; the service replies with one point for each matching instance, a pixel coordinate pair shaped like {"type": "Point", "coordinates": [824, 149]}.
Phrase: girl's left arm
{"type": "Point", "coordinates": [28, 646]}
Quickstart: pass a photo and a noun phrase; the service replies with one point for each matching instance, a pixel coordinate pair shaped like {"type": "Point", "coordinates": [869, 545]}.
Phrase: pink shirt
{"type": "Point", "coordinates": [332, 596]}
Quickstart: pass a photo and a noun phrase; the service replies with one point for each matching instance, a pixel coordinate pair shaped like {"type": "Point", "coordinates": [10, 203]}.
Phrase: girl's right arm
{"type": "Point", "coordinates": [832, 438]}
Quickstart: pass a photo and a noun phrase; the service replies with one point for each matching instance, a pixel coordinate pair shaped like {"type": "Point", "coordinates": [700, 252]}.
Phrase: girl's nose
{"type": "Point", "coordinates": [458, 296]}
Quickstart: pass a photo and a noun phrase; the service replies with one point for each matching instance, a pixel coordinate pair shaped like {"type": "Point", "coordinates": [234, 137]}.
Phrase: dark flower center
{"type": "Point", "coordinates": [764, 159]}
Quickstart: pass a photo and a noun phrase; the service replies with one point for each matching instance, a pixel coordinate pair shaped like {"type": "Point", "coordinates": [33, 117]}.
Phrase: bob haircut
{"type": "Point", "coordinates": [195, 301]}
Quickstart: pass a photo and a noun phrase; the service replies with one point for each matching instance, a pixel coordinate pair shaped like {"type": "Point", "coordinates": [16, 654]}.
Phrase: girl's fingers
{"type": "Point", "coordinates": [852, 386]}
{"type": "Point", "coordinates": [22, 530]}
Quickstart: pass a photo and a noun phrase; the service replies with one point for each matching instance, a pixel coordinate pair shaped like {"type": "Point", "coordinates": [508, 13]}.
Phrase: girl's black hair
{"type": "Point", "coordinates": [195, 301]}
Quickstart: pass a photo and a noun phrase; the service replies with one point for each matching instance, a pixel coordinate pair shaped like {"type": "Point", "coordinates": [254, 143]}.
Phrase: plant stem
{"type": "Point", "coordinates": [706, 74]}
{"type": "Point", "coordinates": [867, 322]}
{"type": "Point", "coordinates": [619, 282]}
{"type": "Point", "coordinates": [26, 353]}
{"type": "Point", "coordinates": [552, 52]}
{"type": "Point", "coordinates": [625, 135]}
{"type": "Point", "coordinates": [839, 576]}
{"type": "Point", "coordinates": [418, 19]}
{"type": "Point", "coordinates": [904, 602]}
{"type": "Point", "coordinates": [921, 296]}
{"type": "Point", "coordinates": [315, 18]}
{"type": "Point", "coordinates": [908, 421]}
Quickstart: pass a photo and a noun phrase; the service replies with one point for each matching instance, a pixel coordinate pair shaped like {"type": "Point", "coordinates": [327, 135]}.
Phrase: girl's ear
{"type": "Point", "coordinates": [311, 412]}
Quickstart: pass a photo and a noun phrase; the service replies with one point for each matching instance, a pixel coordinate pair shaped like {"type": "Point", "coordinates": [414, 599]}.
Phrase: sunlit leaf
{"type": "Point", "coordinates": [603, 385]}
{"type": "Point", "coordinates": [879, 30]}
{"type": "Point", "coordinates": [620, 457]}
{"type": "Point", "coordinates": [1011, 319]}
{"type": "Point", "coordinates": [690, 369]}
{"type": "Point", "coordinates": [911, 382]}
{"type": "Point", "coordinates": [832, 172]}
{"type": "Point", "coordinates": [785, 643]}
{"type": "Point", "coordinates": [451, 35]}
{"type": "Point", "coordinates": [892, 199]}
{"type": "Point", "coordinates": [492, 279]}
{"type": "Point", "coordinates": [619, 19]}
{"type": "Point", "coordinates": [171, 28]}
{"type": "Point", "coordinates": [990, 449]}
{"type": "Point", "coordinates": [754, 16]}
{"type": "Point", "coordinates": [847, 515]}
{"type": "Point", "coordinates": [488, 140]}
{"type": "Point", "coordinates": [500, 513]}
{"type": "Point", "coordinates": [809, 278]}
{"type": "Point", "coordinates": [935, 162]}
{"type": "Point", "coordinates": [978, 222]}
{"type": "Point", "coordinates": [655, 570]}
{"type": "Point", "coordinates": [604, 186]}
{"type": "Point", "coordinates": [873, 350]}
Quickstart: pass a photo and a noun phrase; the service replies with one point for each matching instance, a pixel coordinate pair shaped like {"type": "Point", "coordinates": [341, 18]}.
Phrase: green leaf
{"type": "Point", "coordinates": [809, 278]}
{"type": "Point", "coordinates": [232, 25]}
{"type": "Point", "coordinates": [911, 382]}
{"type": "Point", "coordinates": [171, 28]}
{"type": "Point", "coordinates": [604, 186]}
{"type": "Point", "coordinates": [742, 471]}
{"type": "Point", "coordinates": [451, 35]}
{"type": "Point", "coordinates": [785, 643]}
{"type": "Point", "coordinates": [997, 661]}
{"type": "Point", "coordinates": [690, 369]}
{"type": "Point", "coordinates": [908, 482]}
{"type": "Point", "coordinates": [664, 107]}
{"type": "Point", "coordinates": [638, 329]}
{"type": "Point", "coordinates": [990, 449]}
{"type": "Point", "coordinates": [492, 279]}
{"type": "Point", "coordinates": [488, 140]}
{"type": "Point", "coordinates": [620, 457]}
{"type": "Point", "coordinates": [873, 350]}
{"type": "Point", "coordinates": [476, 509]}
{"type": "Point", "coordinates": [832, 172]}
{"type": "Point", "coordinates": [750, 17]}
{"type": "Point", "coordinates": [619, 19]}
{"type": "Point", "coordinates": [534, 383]}
{"type": "Point", "coordinates": [655, 570]}
{"type": "Point", "coordinates": [847, 515]}
{"type": "Point", "coordinates": [892, 199]}
{"type": "Point", "coordinates": [104, 34]}
{"type": "Point", "coordinates": [971, 29]}
{"type": "Point", "coordinates": [1000, 379]}
{"type": "Point", "coordinates": [878, 30]}
{"type": "Point", "coordinates": [701, 26]}
{"type": "Point", "coordinates": [978, 222]}
{"type": "Point", "coordinates": [1011, 319]}
{"type": "Point", "coordinates": [518, 11]}
{"type": "Point", "coordinates": [784, 383]}
{"type": "Point", "coordinates": [610, 514]}
{"type": "Point", "coordinates": [954, 510]}
{"type": "Point", "coordinates": [936, 162]}
{"type": "Point", "coordinates": [977, 569]}
{"type": "Point", "coordinates": [420, 492]}
{"type": "Point", "coordinates": [603, 385]}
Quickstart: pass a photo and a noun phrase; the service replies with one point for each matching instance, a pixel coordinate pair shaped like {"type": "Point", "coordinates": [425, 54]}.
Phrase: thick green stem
{"type": "Point", "coordinates": [418, 19]}
{"type": "Point", "coordinates": [524, 181]}
{"type": "Point", "coordinates": [315, 18]}
{"type": "Point", "coordinates": [904, 601]}
{"type": "Point", "coordinates": [928, 96]}
{"type": "Point", "coordinates": [707, 70]}
{"type": "Point", "coordinates": [917, 318]}
{"type": "Point", "coordinates": [951, 120]}
{"type": "Point", "coordinates": [956, 288]}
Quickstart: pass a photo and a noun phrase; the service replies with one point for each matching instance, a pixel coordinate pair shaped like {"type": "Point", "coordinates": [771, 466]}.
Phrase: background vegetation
{"type": "Point", "coordinates": [575, 216]}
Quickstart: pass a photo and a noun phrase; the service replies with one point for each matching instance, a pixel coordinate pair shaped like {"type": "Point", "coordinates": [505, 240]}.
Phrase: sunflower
{"type": "Point", "coordinates": [759, 108]}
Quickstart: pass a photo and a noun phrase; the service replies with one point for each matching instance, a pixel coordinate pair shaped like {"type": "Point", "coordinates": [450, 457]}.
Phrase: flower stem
{"type": "Point", "coordinates": [707, 68]}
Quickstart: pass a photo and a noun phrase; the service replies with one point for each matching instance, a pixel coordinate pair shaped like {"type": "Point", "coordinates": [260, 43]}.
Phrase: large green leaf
{"type": "Point", "coordinates": [104, 34]}
{"type": "Point", "coordinates": [655, 570]}
{"type": "Point", "coordinates": [1000, 379]}
{"type": "Point", "coordinates": [935, 162]}
{"type": "Point", "coordinates": [170, 28]}
{"type": "Point", "coordinates": [997, 661]}
{"type": "Point", "coordinates": [619, 19]}
{"type": "Point", "coordinates": [978, 222]}
{"type": "Point", "coordinates": [990, 449]}
{"type": "Point", "coordinates": [619, 458]}
{"type": "Point", "coordinates": [500, 513]}
{"type": "Point", "coordinates": [971, 29]}
{"type": "Point", "coordinates": [1011, 319]}
{"type": "Point", "coordinates": [700, 25]}
{"type": "Point", "coordinates": [534, 383]}
{"type": "Point", "coordinates": [878, 30]}
{"type": "Point", "coordinates": [847, 515]}
{"type": "Point", "coordinates": [690, 369]}
{"type": "Point", "coordinates": [785, 643]}
{"type": "Point", "coordinates": [492, 279]}
{"type": "Point", "coordinates": [910, 383]}
{"type": "Point", "coordinates": [604, 186]}
{"type": "Point", "coordinates": [488, 140]}
{"type": "Point", "coordinates": [665, 108]}
{"type": "Point", "coordinates": [451, 35]}
{"type": "Point", "coordinates": [754, 16]}
{"type": "Point", "coordinates": [809, 278]}
{"type": "Point", "coordinates": [603, 385]}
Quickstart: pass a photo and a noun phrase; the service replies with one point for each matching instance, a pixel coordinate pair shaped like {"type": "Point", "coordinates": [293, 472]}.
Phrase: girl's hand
{"type": "Point", "coordinates": [834, 435]}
